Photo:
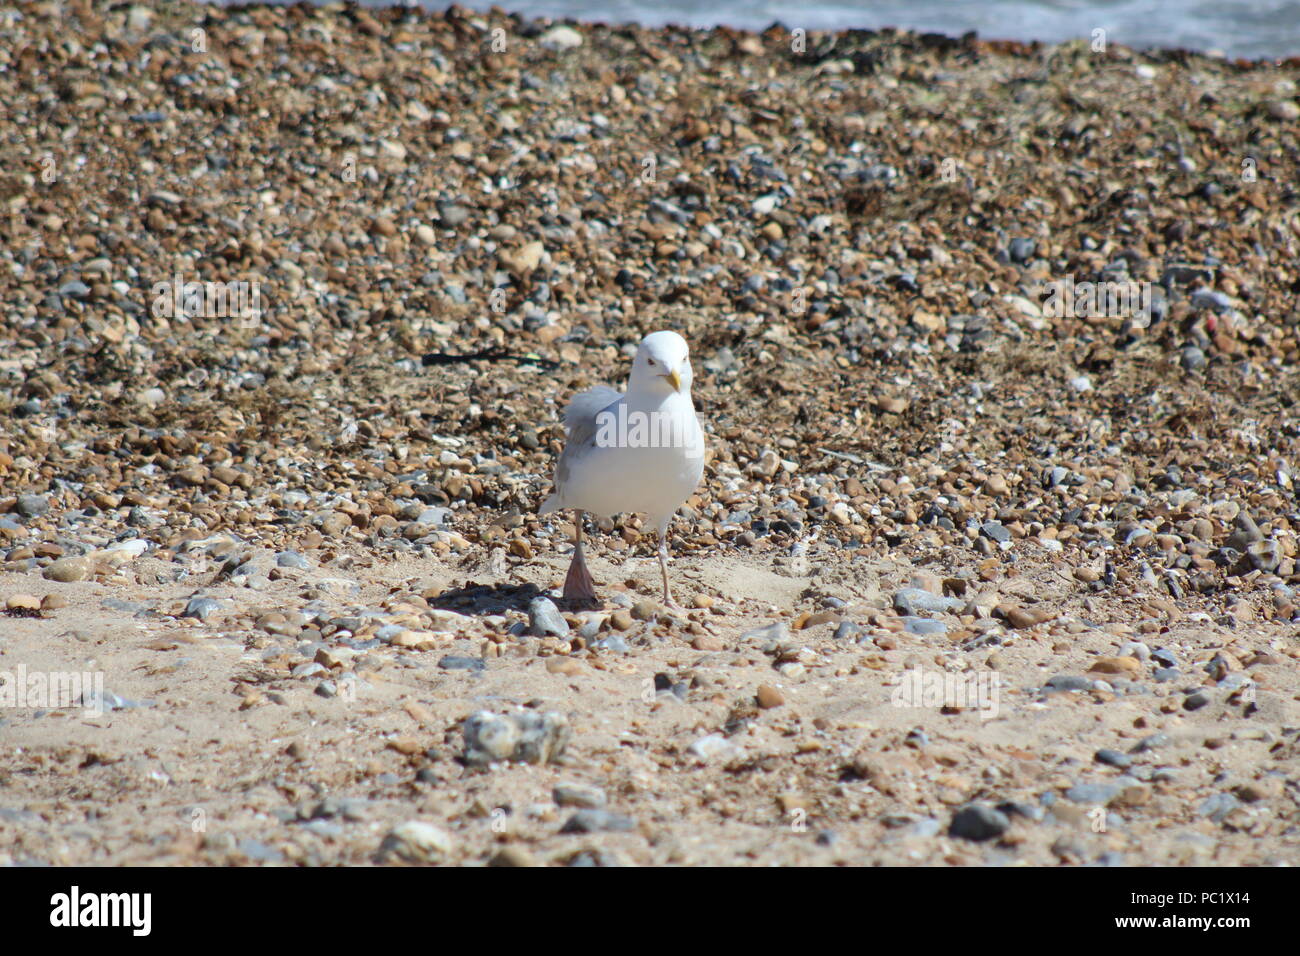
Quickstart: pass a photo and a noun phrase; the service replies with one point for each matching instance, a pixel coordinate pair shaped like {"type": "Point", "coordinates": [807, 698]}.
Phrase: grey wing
{"type": "Point", "coordinates": [580, 423]}
{"type": "Point", "coordinates": [580, 414]}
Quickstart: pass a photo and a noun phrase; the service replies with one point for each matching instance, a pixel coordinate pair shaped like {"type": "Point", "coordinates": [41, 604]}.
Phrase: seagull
{"type": "Point", "coordinates": [637, 451]}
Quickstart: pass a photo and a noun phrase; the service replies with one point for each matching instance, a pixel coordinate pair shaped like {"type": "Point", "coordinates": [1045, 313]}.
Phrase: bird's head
{"type": "Point", "coordinates": [663, 363]}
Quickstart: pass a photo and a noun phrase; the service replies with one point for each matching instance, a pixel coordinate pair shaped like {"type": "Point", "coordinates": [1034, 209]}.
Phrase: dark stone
{"type": "Point", "coordinates": [978, 822]}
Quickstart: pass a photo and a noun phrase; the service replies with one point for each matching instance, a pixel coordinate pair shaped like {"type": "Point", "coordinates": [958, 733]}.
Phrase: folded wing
{"type": "Point", "coordinates": [580, 423]}
{"type": "Point", "coordinates": [580, 414]}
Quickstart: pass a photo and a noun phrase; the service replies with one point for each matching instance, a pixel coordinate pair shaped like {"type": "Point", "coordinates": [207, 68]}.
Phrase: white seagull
{"type": "Point", "coordinates": [639, 451]}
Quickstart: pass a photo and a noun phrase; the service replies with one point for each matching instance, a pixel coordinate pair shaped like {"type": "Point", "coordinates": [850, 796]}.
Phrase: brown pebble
{"type": "Point", "coordinates": [23, 602]}
{"type": "Point", "coordinates": [66, 570]}
{"type": "Point", "coordinates": [1020, 617]}
{"type": "Point", "coordinates": [823, 617]}
{"type": "Point", "coordinates": [1116, 665]}
{"type": "Point", "coordinates": [645, 610]}
{"type": "Point", "coordinates": [513, 856]}
{"type": "Point", "coordinates": [789, 802]}
{"type": "Point", "coordinates": [995, 486]}
{"type": "Point", "coordinates": [1265, 788]}
{"type": "Point", "coordinates": [769, 697]}
{"type": "Point", "coordinates": [1137, 795]}
{"type": "Point", "coordinates": [563, 665]}
{"type": "Point", "coordinates": [328, 658]}
{"type": "Point", "coordinates": [418, 712]}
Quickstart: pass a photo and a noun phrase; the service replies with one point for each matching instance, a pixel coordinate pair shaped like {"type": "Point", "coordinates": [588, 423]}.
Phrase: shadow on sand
{"type": "Point", "coordinates": [473, 598]}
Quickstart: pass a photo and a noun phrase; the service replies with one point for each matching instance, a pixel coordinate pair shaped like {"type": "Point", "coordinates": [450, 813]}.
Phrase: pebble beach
{"type": "Point", "coordinates": [292, 299]}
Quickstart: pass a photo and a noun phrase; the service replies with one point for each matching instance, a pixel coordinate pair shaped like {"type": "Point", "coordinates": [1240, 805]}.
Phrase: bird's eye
{"type": "Point", "coordinates": [651, 361]}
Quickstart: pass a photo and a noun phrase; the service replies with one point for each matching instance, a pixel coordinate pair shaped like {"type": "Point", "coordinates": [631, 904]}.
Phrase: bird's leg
{"type": "Point", "coordinates": [663, 566]}
{"type": "Point", "coordinates": [578, 585]}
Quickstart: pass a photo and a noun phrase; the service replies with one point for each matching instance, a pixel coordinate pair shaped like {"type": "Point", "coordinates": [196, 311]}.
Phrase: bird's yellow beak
{"type": "Point", "coordinates": [674, 379]}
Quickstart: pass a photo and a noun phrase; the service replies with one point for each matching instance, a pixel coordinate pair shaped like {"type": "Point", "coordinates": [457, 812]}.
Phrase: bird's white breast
{"type": "Point", "coordinates": [639, 471]}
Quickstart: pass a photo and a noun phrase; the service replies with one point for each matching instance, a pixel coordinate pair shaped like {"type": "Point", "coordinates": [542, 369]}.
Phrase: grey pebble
{"type": "Point", "coordinates": [776, 631]}
{"type": "Point", "coordinates": [847, 631]}
{"type": "Point", "coordinates": [1148, 743]}
{"type": "Point", "coordinates": [201, 607]}
{"type": "Point", "coordinates": [1113, 757]}
{"type": "Point", "coordinates": [1193, 358]}
{"type": "Point", "coordinates": [75, 289]}
{"type": "Point", "coordinates": [1096, 794]}
{"type": "Point", "coordinates": [978, 821]}
{"type": "Point", "coordinates": [1235, 681]}
{"type": "Point", "coordinates": [995, 531]}
{"type": "Point", "coordinates": [1127, 687]}
{"type": "Point", "coordinates": [1021, 249]}
{"type": "Point", "coordinates": [350, 808]}
{"type": "Point", "coordinates": [615, 643]}
{"type": "Point", "coordinates": [1210, 299]}
{"type": "Point", "coordinates": [324, 828]}
{"type": "Point", "coordinates": [578, 795]}
{"type": "Point", "coordinates": [438, 517]}
{"type": "Point", "coordinates": [923, 626]}
{"type": "Point", "coordinates": [359, 645]}
{"type": "Point", "coordinates": [598, 821]}
{"type": "Point", "coordinates": [915, 602]}
{"type": "Point", "coordinates": [126, 607]}
{"type": "Point", "coordinates": [1164, 656]}
{"type": "Point", "coordinates": [1069, 682]}
{"type": "Point", "coordinates": [926, 827]}
{"type": "Point", "coordinates": [259, 851]}
{"type": "Point", "coordinates": [1218, 806]}
{"type": "Point", "coordinates": [32, 506]}
{"type": "Point", "coordinates": [544, 619]}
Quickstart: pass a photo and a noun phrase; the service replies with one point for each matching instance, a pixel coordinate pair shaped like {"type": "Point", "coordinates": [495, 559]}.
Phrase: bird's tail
{"type": "Point", "coordinates": [552, 503]}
